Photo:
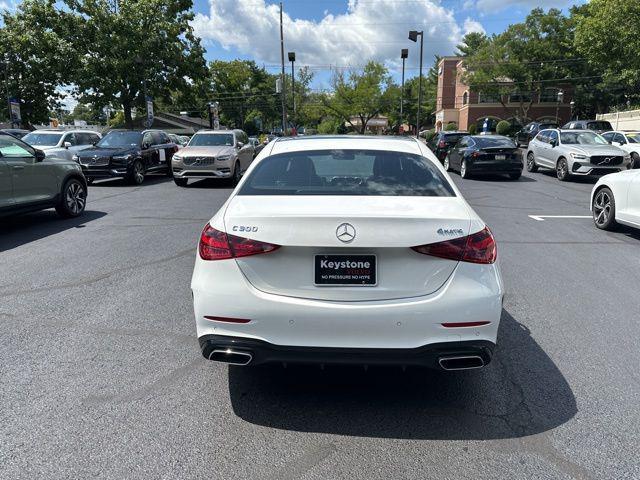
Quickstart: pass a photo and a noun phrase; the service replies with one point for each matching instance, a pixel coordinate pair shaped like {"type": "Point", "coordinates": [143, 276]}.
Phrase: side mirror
{"type": "Point", "coordinates": [40, 155]}
{"type": "Point", "coordinates": [553, 143]}
{"type": "Point", "coordinates": [67, 144]}
{"type": "Point", "coordinates": [239, 145]}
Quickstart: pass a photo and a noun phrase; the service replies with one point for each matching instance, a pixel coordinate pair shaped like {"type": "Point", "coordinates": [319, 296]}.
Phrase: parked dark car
{"type": "Point", "coordinates": [530, 130]}
{"type": "Point", "coordinates": [16, 132]}
{"type": "Point", "coordinates": [598, 126]}
{"type": "Point", "coordinates": [129, 154]}
{"type": "Point", "coordinates": [442, 142]}
{"type": "Point", "coordinates": [485, 154]}
{"type": "Point", "coordinates": [257, 145]}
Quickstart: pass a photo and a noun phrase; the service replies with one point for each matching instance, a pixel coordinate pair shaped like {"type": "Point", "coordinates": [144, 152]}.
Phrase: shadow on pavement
{"type": "Point", "coordinates": [149, 179]}
{"type": "Point", "coordinates": [521, 393]}
{"type": "Point", "coordinates": [22, 229]}
{"type": "Point", "coordinates": [502, 178]}
{"type": "Point", "coordinates": [572, 179]}
{"type": "Point", "coordinates": [221, 183]}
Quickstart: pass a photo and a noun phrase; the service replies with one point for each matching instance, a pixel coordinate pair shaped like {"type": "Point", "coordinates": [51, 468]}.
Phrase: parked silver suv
{"type": "Point", "coordinates": [30, 182]}
{"type": "Point", "coordinates": [61, 143]}
{"type": "Point", "coordinates": [575, 152]}
{"type": "Point", "coordinates": [213, 154]}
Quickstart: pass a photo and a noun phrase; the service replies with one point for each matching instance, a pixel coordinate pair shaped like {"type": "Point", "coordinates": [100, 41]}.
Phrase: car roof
{"type": "Point", "coordinates": [55, 130]}
{"type": "Point", "coordinates": [350, 142]}
{"type": "Point", "coordinates": [214, 131]}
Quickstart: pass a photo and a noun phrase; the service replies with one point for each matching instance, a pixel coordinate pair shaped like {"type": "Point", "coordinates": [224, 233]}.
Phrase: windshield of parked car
{"type": "Point", "coordinates": [38, 139]}
{"type": "Point", "coordinates": [452, 138]}
{"type": "Point", "coordinates": [633, 137]}
{"type": "Point", "coordinates": [544, 126]}
{"type": "Point", "coordinates": [212, 140]}
{"type": "Point", "coordinates": [599, 126]}
{"type": "Point", "coordinates": [118, 139]}
{"type": "Point", "coordinates": [347, 172]}
{"type": "Point", "coordinates": [582, 138]}
{"type": "Point", "coordinates": [494, 142]}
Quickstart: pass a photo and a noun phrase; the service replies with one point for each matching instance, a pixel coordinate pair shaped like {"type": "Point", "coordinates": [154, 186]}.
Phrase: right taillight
{"type": "Point", "coordinates": [479, 247]}
{"type": "Point", "coordinates": [217, 245]}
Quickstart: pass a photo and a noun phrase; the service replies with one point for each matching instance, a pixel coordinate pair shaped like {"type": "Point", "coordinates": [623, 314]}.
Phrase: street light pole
{"type": "Point", "coordinates": [559, 98]}
{"type": "Point", "coordinates": [292, 59]}
{"type": "Point", "coordinates": [572, 104]}
{"type": "Point", "coordinates": [404, 53]}
{"type": "Point", "coordinates": [413, 36]}
{"type": "Point", "coordinates": [284, 108]}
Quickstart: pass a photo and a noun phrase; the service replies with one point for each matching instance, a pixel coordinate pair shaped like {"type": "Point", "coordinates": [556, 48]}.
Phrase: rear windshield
{"type": "Point", "coordinates": [494, 142]}
{"type": "Point", "coordinates": [633, 137]}
{"type": "Point", "coordinates": [347, 172]}
{"type": "Point", "coordinates": [453, 138]}
{"type": "Point", "coordinates": [599, 126]}
{"type": "Point", "coordinates": [544, 126]}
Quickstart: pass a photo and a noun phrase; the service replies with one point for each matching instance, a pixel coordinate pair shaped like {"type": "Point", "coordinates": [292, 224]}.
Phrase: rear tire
{"type": "Point", "coordinates": [181, 182]}
{"type": "Point", "coordinates": [604, 209]}
{"type": "Point", "coordinates": [515, 176]}
{"type": "Point", "coordinates": [635, 160]}
{"type": "Point", "coordinates": [562, 170]}
{"type": "Point", "coordinates": [531, 163]}
{"type": "Point", "coordinates": [464, 172]}
{"type": "Point", "coordinates": [73, 199]}
{"type": "Point", "coordinates": [237, 174]}
{"type": "Point", "coordinates": [136, 177]}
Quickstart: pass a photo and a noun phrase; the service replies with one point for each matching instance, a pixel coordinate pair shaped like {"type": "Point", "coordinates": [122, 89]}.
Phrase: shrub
{"type": "Point", "coordinates": [503, 127]}
{"type": "Point", "coordinates": [473, 128]}
{"type": "Point", "coordinates": [429, 134]}
{"type": "Point", "coordinates": [450, 127]}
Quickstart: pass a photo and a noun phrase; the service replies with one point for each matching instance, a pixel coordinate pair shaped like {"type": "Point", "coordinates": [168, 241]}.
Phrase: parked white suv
{"type": "Point", "coordinates": [628, 141]}
{"type": "Point", "coordinates": [575, 152]}
{"type": "Point", "coordinates": [61, 143]}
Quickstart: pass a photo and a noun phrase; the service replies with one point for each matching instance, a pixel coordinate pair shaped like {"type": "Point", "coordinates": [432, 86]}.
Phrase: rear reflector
{"type": "Point", "coordinates": [464, 324]}
{"type": "Point", "coordinates": [217, 245]}
{"type": "Point", "coordinates": [479, 247]}
{"type": "Point", "coordinates": [227, 319]}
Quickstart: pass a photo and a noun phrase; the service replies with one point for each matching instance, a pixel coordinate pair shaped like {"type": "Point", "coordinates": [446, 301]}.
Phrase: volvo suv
{"type": "Point", "coordinates": [213, 154]}
{"type": "Point", "coordinates": [575, 152]}
{"type": "Point", "coordinates": [60, 143]}
{"type": "Point", "coordinates": [29, 181]}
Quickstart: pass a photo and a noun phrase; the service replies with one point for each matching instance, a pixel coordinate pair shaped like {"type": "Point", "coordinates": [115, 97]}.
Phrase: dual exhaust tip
{"type": "Point", "coordinates": [241, 357]}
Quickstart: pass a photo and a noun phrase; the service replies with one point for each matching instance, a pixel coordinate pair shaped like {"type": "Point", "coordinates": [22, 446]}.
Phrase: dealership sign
{"type": "Point", "coordinates": [14, 105]}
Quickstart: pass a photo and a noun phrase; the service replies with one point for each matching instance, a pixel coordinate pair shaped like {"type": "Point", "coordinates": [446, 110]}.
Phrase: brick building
{"type": "Point", "coordinates": [459, 104]}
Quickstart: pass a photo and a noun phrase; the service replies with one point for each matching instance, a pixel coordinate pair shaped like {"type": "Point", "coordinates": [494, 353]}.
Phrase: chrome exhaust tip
{"type": "Point", "coordinates": [232, 357]}
{"type": "Point", "coordinates": [466, 362]}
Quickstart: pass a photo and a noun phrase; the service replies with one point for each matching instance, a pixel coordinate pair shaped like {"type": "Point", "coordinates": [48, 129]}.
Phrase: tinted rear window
{"type": "Point", "coordinates": [347, 172]}
{"type": "Point", "coordinates": [453, 138]}
{"type": "Point", "coordinates": [599, 126]}
{"type": "Point", "coordinates": [494, 142]}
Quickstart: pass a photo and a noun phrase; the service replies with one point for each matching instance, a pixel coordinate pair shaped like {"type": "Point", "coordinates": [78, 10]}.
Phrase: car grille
{"type": "Point", "coordinates": [95, 161]}
{"type": "Point", "coordinates": [606, 160]}
{"type": "Point", "coordinates": [199, 161]}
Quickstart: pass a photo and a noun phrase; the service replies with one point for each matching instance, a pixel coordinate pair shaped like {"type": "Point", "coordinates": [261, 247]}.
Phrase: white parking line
{"type": "Point", "coordinates": [541, 218]}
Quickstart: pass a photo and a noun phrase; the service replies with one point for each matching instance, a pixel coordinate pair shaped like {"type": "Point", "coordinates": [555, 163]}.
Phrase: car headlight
{"type": "Point", "coordinates": [177, 158]}
{"type": "Point", "coordinates": [223, 158]}
{"type": "Point", "coordinates": [122, 158]}
{"type": "Point", "coordinates": [627, 156]}
{"type": "Point", "coordinates": [578, 156]}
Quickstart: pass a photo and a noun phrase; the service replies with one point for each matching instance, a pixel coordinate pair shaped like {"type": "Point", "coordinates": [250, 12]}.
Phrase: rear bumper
{"type": "Point", "coordinates": [495, 167]}
{"type": "Point", "coordinates": [425, 356]}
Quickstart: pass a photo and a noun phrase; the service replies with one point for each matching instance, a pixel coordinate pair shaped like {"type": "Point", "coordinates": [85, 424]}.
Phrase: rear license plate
{"type": "Point", "coordinates": [501, 157]}
{"type": "Point", "coordinates": [347, 270]}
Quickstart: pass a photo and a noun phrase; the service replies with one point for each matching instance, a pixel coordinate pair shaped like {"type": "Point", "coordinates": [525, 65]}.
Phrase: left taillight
{"type": "Point", "coordinates": [217, 245]}
{"type": "Point", "coordinates": [479, 247]}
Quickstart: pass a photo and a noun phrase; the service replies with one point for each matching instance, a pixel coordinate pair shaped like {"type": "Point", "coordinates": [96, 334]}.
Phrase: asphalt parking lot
{"type": "Point", "coordinates": [101, 375]}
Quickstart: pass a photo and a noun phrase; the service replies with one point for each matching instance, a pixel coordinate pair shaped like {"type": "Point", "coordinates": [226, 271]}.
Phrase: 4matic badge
{"type": "Point", "coordinates": [450, 232]}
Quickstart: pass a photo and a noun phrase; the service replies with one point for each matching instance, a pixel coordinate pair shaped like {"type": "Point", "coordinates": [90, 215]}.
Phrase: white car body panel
{"type": "Point", "coordinates": [414, 295]}
{"type": "Point", "coordinates": [626, 192]}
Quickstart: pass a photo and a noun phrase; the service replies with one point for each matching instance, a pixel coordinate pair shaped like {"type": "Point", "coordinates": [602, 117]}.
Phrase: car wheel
{"type": "Point", "coordinates": [604, 209]}
{"type": "Point", "coordinates": [446, 164]}
{"type": "Point", "coordinates": [237, 174]}
{"type": "Point", "coordinates": [515, 175]}
{"type": "Point", "coordinates": [531, 163]}
{"type": "Point", "coordinates": [181, 182]}
{"type": "Point", "coordinates": [136, 177]}
{"type": "Point", "coordinates": [73, 199]}
{"type": "Point", "coordinates": [635, 160]}
{"type": "Point", "coordinates": [562, 170]}
{"type": "Point", "coordinates": [464, 173]}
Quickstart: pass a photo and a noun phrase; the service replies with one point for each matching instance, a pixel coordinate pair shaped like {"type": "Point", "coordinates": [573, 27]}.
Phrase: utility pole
{"type": "Point", "coordinates": [413, 36]}
{"type": "Point", "coordinates": [404, 53]}
{"type": "Point", "coordinates": [292, 59]}
{"type": "Point", "coordinates": [284, 108]}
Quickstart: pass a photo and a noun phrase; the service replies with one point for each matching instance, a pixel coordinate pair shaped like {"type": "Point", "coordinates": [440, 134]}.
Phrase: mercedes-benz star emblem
{"type": "Point", "coordinates": [346, 233]}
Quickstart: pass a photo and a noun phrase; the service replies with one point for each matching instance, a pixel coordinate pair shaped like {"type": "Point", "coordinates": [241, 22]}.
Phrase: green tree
{"type": "Point", "coordinates": [142, 43]}
{"type": "Point", "coordinates": [606, 34]}
{"type": "Point", "coordinates": [360, 95]}
{"type": "Point", "coordinates": [37, 57]}
{"type": "Point", "coordinates": [523, 60]}
{"type": "Point", "coordinates": [429, 96]}
{"type": "Point", "coordinates": [471, 43]}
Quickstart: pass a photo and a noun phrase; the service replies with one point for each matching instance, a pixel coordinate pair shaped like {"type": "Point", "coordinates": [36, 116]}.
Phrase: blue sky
{"type": "Point", "coordinates": [340, 33]}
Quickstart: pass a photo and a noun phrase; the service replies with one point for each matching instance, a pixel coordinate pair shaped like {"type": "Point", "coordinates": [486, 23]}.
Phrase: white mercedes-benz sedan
{"type": "Point", "coordinates": [615, 199]}
{"type": "Point", "coordinates": [347, 250]}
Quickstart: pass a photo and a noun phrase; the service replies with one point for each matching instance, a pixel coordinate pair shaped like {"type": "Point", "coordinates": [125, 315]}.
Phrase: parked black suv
{"type": "Point", "coordinates": [442, 142]}
{"type": "Point", "coordinates": [129, 154]}
{"type": "Point", "coordinates": [598, 126]}
{"type": "Point", "coordinates": [530, 130]}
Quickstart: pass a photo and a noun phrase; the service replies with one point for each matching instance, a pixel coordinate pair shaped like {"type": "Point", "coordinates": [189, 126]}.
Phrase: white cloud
{"type": "Point", "coordinates": [371, 30]}
{"type": "Point", "coordinates": [471, 25]}
{"type": "Point", "coordinates": [468, 4]}
{"type": "Point", "coordinates": [493, 6]}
